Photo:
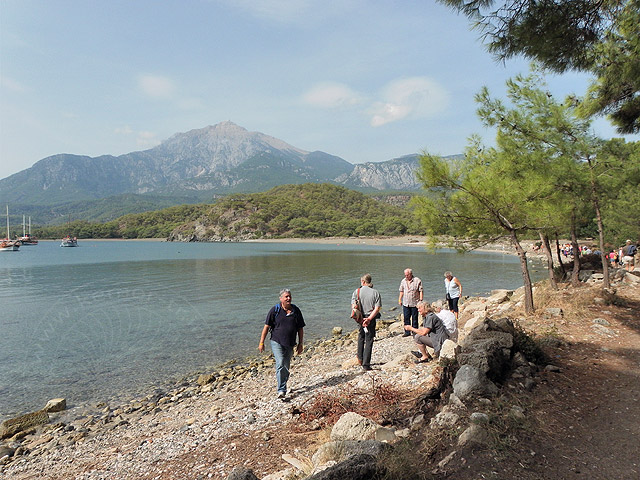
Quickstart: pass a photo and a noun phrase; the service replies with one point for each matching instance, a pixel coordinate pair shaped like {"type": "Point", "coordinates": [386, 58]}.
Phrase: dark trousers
{"type": "Point", "coordinates": [365, 344]}
{"type": "Point", "coordinates": [453, 304]}
{"type": "Point", "coordinates": [410, 315]}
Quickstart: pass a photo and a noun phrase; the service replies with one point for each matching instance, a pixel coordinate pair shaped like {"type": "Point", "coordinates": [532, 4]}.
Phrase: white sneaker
{"type": "Point", "coordinates": [282, 394]}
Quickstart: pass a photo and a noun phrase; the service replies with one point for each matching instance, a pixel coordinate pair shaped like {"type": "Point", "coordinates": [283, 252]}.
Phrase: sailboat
{"type": "Point", "coordinates": [26, 238]}
{"type": "Point", "coordinates": [8, 245]}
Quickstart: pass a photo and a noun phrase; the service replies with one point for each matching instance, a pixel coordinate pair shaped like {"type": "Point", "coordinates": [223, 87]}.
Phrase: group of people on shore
{"type": "Point", "coordinates": [624, 256]}
{"type": "Point", "coordinates": [286, 323]}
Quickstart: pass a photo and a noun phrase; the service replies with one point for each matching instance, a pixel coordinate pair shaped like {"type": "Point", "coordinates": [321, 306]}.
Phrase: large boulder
{"type": "Point", "coordinates": [352, 426]}
{"type": "Point", "coordinates": [10, 427]}
{"type": "Point", "coordinates": [55, 405]}
{"type": "Point", "coordinates": [471, 381]}
{"type": "Point", "coordinates": [499, 296]}
{"type": "Point", "coordinates": [359, 467]}
{"type": "Point", "coordinates": [242, 474]}
{"type": "Point", "coordinates": [339, 451]}
{"type": "Point", "coordinates": [487, 350]}
{"type": "Point", "coordinates": [450, 349]}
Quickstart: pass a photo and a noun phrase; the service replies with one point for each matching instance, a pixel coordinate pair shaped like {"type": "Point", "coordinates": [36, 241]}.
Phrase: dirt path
{"type": "Point", "coordinates": [583, 421]}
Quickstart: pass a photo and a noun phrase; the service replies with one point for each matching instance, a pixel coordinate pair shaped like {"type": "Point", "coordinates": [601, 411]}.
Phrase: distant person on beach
{"type": "Point", "coordinates": [453, 291]}
{"type": "Point", "coordinates": [628, 256]}
{"type": "Point", "coordinates": [432, 334]}
{"type": "Point", "coordinates": [370, 302]}
{"type": "Point", "coordinates": [285, 322]}
{"type": "Point", "coordinates": [410, 294]}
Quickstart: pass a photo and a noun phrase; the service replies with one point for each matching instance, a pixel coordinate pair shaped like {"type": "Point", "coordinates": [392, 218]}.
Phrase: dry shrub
{"type": "Point", "coordinates": [378, 403]}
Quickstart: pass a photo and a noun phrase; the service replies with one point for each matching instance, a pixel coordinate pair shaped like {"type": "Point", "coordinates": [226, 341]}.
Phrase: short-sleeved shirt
{"type": "Point", "coordinates": [284, 328]}
{"type": "Point", "coordinates": [438, 333]}
{"type": "Point", "coordinates": [410, 291]}
{"type": "Point", "coordinates": [369, 299]}
{"type": "Point", "coordinates": [449, 320]}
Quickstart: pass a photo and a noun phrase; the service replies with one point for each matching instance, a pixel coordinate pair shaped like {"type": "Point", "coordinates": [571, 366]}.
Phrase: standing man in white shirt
{"type": "Point", "coordinates": [410, 294]}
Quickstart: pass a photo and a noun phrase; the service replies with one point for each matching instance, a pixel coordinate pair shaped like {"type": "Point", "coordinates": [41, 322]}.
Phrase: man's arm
{"type": "Point", "coordinates": [374, 314]}
{"type": "Point", "coordinates": [300, 340]}
{"type": "Point", "coordinates": [417, 331]}
{"type": "Point", "coordinates": [265, 330]}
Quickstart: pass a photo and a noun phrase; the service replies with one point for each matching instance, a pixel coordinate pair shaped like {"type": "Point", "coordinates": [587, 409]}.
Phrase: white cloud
{"type": "Point", "coordinates": [13, 85]}
{"type": "Point", "coordinates": [147, 139]}
{"type": "Point", "coordinates": [126, 130]}
{"type": "Point", "coordinates": [415, 97]}
{"type": "Point", "coordinates": [156, 86]}
{"type": "Point", "coordinates": [331, 95]}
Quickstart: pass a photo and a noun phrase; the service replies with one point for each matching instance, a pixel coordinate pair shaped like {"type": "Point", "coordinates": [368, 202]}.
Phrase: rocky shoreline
{"type": "Point", "coordinates": [212, 425]}
{"type": "Point", "coordinates": [150, 437]}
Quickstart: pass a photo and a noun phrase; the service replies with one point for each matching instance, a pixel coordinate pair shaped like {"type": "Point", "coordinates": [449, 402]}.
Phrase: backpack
{"type": "Point", "coordinates": [632, 250]}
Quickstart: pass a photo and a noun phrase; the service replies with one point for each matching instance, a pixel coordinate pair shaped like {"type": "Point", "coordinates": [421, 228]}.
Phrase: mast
{"type": "Point", "coordinates": [23, 226]}
{"type": "Point", "coordinates": [7, 222]}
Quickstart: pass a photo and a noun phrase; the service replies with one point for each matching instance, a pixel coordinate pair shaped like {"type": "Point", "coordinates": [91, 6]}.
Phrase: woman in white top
{"type": "Point", "coordinates": [453, 289]}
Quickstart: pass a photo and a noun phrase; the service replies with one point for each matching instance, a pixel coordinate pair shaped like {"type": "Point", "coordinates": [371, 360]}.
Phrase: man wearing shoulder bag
{"type": "Point", "coordinates": [368, 300]}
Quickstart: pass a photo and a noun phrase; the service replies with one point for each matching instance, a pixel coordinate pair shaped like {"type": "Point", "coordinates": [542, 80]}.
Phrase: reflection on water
{"type": "Point", "coordinates": [122, 317]}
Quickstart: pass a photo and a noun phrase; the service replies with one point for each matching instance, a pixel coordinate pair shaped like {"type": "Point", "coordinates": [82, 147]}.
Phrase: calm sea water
{"type": "Point", "coordinates": [110, 320]}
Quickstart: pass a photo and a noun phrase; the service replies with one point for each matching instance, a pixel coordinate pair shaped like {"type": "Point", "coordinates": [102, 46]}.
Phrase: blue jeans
{"type": "Point", "coordinates": [283, 356]}
{"type": "Point", "coordinates": [410, 315]}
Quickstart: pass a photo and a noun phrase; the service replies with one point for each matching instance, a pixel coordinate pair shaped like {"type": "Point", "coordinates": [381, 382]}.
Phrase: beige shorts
{"type": "Point", "coordinates": [628, 260]}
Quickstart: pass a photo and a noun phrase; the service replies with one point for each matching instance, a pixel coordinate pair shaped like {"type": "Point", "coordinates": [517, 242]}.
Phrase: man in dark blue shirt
{"type": "Point", "coordinates": [285, 322]}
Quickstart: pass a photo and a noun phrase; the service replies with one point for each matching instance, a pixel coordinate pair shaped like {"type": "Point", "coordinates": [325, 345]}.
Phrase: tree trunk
{"type": "Point", "coordinates": [559, 254]}
{"type": "Point", "coordinates": [603, 253]}
{"type": "Point", "coordinates": [575, 273]}
{"type": "Point", "coordinates": [547, 251]}
{"type": "Point", "coordinates": [596, 206]}
{"type": "Point", "coordinates": [528, 290]}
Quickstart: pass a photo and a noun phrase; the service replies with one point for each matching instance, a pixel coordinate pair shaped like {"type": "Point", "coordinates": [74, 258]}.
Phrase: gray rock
{"type": "Point", "coordinates": [242, 474]}
{"type": "Point", "coordinates": [339, 451]}
{"type": "Point", "coordinates": [55, 405]}
{"type": "Point", "coordinates": [517, 412]}
{"type": "Point", "coordinates": [488, 351]}
{"type": "Point", "coordinates": [359, 467]}
{"type": "Point", "coordinates": [12, 426]}
{"type": "Point", "coordinates": [554, 312]}
{"type": "Point", "coordinates": [444, 419]}
{"type": "Point", "coordinates": [336, 331]}
{"type": "Point", "coordinates": [386, 435]}
{"type": "Point", "coordinates": [479, 418]}
{"type": "Point", "coordinates": [601, 329]}
{"type": "Point", "coordinates": [6, 451]}
{"type": "Point", "coordinates": [470, 381]}
{"type": "Point", "coordinates": [552, 368]}
{"type": "Point", "coordinates": [475, 436]}
{"type": "Point", "coordinates": [205, 379]}
{"type": "Point", "coordinates": [450, 349]}
{"type": "Point", "coordinates": [499, 296]}
{"type": "Point", "coordinates": [601, 321]}
{"type": "Point", "coordinates": [352, 426]}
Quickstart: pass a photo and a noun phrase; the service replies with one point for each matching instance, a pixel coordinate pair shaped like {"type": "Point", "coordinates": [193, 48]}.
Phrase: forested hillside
{"type": "Point", "coordinates": [307, 210]}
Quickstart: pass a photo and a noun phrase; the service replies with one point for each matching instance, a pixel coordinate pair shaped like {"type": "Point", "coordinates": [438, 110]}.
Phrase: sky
{"type": "Point", "coordinates": [366, 80]}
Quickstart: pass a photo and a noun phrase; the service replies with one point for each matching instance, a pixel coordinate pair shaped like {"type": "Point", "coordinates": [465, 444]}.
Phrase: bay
{"type": "Point", "coordinates": [110, 320]}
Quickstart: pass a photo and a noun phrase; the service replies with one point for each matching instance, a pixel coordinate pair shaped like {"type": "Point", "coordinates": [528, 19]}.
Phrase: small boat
{"type": "Point", "coordinates": [6, 244]}
{"type": "Point", "coordinates": [9, 246]}
{"type": "Point", "coordinates": [69, 241]}
{"type": "Point", "coordinates": [26, 238]}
